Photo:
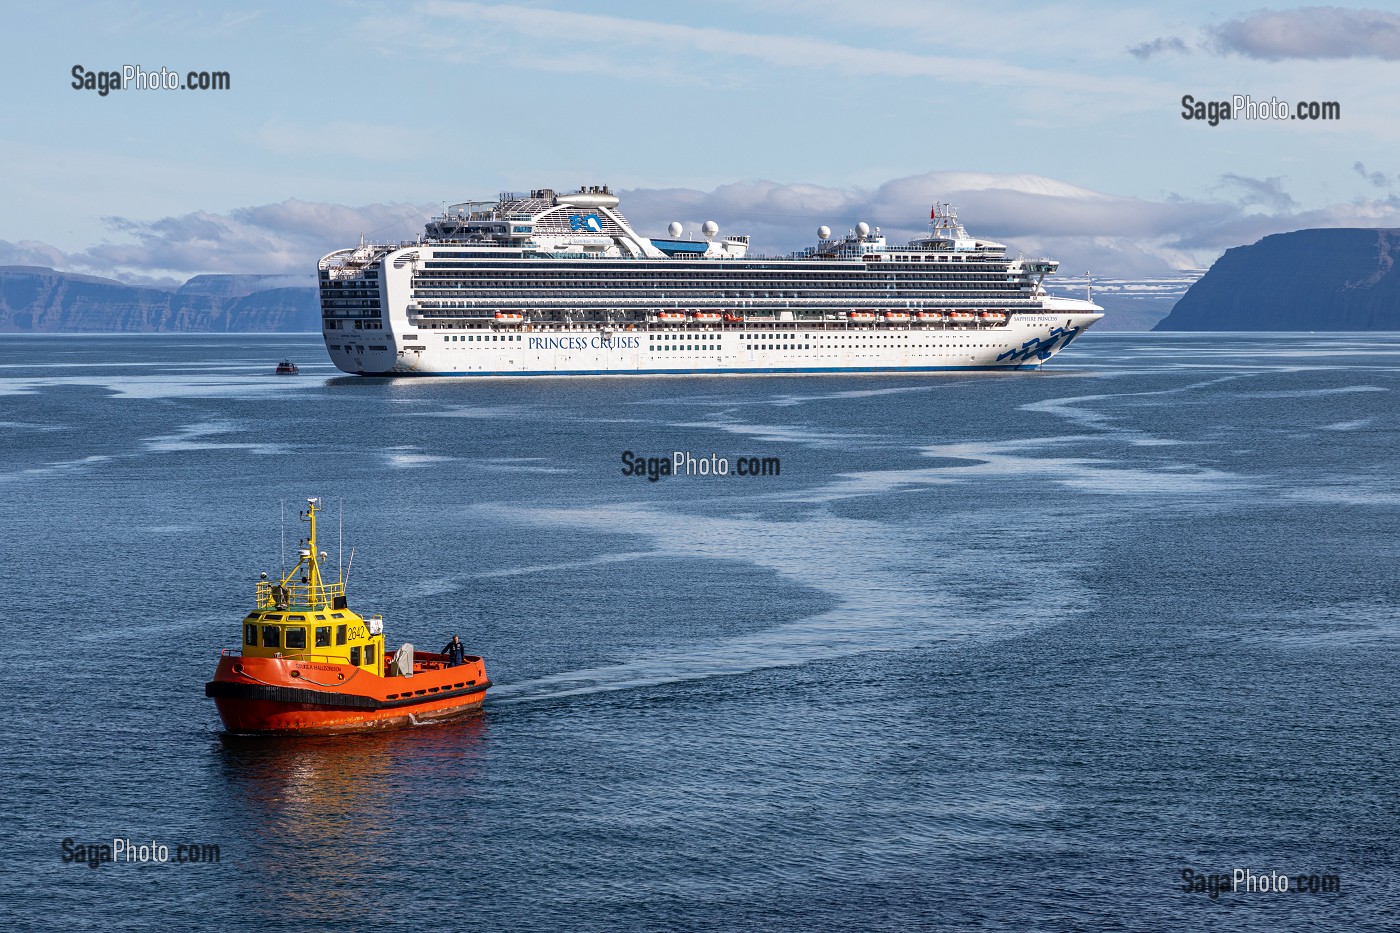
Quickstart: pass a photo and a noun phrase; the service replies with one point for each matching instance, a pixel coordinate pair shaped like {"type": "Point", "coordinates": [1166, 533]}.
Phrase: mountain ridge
{"type": "Point", "coordinates": [43, 300]}
{"type": "Point", "coordinates": [1332, 279]}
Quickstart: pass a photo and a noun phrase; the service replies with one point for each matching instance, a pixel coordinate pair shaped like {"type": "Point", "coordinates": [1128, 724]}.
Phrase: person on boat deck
{"type": "Point", "coordinates": [456, 653]}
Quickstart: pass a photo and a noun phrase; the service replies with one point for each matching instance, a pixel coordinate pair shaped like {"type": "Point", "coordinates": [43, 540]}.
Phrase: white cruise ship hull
{"type": "Point", "coordinates": [1027, 341]}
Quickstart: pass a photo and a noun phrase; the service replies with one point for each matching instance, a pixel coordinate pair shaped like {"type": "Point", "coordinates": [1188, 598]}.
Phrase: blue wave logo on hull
{"type": "Point", "coordinates": [585, 223]}
{"type": "Point", "coordinates": [1041, 347]}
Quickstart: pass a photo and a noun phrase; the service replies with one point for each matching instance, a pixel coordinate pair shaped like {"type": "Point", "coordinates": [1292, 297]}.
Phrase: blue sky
{"type": "Point", "coordinates": [1055, 127]}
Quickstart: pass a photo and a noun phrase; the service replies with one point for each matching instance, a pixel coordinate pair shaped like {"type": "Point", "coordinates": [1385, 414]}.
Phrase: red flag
{"type": "Point", "coordinates": [933, 213]}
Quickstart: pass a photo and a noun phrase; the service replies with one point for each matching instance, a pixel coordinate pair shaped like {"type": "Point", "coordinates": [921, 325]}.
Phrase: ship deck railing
{"type": "Point", "coordinates": [423, 661]}
{"type": "Point", "coordinates": [622, 328]}
{"type": "Point", "coordinates": [298, 596]}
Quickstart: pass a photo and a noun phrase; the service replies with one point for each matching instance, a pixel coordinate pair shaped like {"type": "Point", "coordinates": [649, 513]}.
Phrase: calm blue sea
{"type": "Point", "coordinates": [994, 651]}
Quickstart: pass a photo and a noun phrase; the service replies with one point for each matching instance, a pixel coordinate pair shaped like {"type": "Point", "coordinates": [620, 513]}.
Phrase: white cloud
{"type": "Point", "coordinates": [1319, 32]}
{"type": "Point", "coordinates": [532, 33]}
{"type": "Point", "coordinates": [1146, 50]}
{"type": "Point", "coordinates": [31, 253]}
{"type": "Point", "coordinates": [289, 236]}
{"type": "Point", "coordinates": [1114, 235]}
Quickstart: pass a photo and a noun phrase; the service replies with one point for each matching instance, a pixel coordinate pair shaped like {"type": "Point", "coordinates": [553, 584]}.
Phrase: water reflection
{"type": "Point", "coordinates": [340, 808]}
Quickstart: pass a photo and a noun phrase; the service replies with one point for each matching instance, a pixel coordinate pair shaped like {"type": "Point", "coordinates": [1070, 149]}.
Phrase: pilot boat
{"type": "Point", "coordinates": [309, 664]}
{"type": "Point", "coordinates": [287, 368]}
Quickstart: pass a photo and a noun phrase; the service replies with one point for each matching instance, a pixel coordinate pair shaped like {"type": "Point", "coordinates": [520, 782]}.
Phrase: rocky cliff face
{"type": "Point", "coordinates": [33, 298]}
{"type": "Point", "coordinates": [1321, 280]}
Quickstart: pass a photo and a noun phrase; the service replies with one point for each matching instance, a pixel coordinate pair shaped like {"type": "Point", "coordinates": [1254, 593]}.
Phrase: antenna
{"type": "Point", "coordinates": [348, 564]}
{"type": "Point", "coordinates": [340, 551]}
{"type": "Point", "coordinates": [282, 515]}
{"type": "Point", "coordinates": [1088, 286]}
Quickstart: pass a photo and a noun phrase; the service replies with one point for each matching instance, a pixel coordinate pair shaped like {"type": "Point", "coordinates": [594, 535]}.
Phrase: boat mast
{"type": "Point", "coordinates": [311, 556]}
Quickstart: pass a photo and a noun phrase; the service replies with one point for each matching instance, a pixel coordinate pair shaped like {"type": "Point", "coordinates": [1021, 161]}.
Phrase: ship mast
{"type": "Point", "coordinates": [311, 557]}
{"type": "Point", "coordinates": [303, 586]}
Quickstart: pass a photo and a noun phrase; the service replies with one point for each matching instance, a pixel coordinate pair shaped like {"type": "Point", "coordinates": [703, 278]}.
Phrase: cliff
{"type": "Point", "coordinates": [1341, 279]}
{"type": "Point", "coordinates": [34, 298]}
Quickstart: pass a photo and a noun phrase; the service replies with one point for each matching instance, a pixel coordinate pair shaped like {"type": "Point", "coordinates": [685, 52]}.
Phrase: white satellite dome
{"type": "Point", "coordinates": [675, 228]}
{"type": "Point", "coordinates": [709, 228]}
{"type": "Point", "coordinates": [863, 228]}
{"type": "Point", "coordinates": [823, 232]}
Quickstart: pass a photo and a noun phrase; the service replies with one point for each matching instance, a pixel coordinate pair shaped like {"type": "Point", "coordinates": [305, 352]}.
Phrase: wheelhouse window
{"type": "Point", "coordinates": [296, 637]}
{"type": "Point", "coordinates": [272, 636]}
{"type": "Point", "coordinates": [250, 635]}
{"type": "Point", "coordinates": [340, 634]}
{"type": "Point", "coordinates": [369, 655]}
{"type": "Point", "coordinates": [323, 636]}
{"type": "Point", "coordinates": [355, 656]}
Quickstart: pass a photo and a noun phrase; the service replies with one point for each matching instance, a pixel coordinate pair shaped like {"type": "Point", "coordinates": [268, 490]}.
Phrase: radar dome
{"type": "Point", "coordinates": [863, 228]}
{"type": "Point", "coordinates": [710, 228]}
{"type": "Point", "coordinates": [823, 232]}
{"type": "Point", "coordinates": [675, 228]}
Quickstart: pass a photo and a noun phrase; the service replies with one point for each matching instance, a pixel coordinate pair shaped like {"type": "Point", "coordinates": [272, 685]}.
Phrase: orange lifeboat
{"type": "Point", "coordinates": [707, 317]}
{"type": "Point", "coordinates": [308, 664]}
{"type": "Point", "coordinates": [992, 317]}
{"type": "Point", "coordinates": [896, 317]}
{"type": "Point", "coordinates": [861, 317]}
{"type": "Point", "coordinates": [732, 318]}
{"type": "Point", "coordinates": [509, 317]}
{"type": "Point", "coordinates": [670, 317]}
{"type": "Point", "coordinates": [928, 317]}
{"type": "Point", "coordinates": [961, 316]}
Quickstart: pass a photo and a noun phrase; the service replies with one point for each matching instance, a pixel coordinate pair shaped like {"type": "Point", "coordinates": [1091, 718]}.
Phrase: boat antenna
{"type": "Point", "coordinates": [282, 511]}
{"type": "Point", "coordinates": [340, 551]}
{"type": "Point", "coordinates": [1088, 286]}
{"type": "Point", "coordinates": [348, 564]}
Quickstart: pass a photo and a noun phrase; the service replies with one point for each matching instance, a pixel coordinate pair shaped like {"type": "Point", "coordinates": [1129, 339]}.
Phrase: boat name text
{"type": "Point", "coordinates": [583, 343]}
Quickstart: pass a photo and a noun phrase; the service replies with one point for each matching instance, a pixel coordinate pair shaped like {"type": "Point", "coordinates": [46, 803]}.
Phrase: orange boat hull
{"type": "Point", "coordinates": [291, 696]}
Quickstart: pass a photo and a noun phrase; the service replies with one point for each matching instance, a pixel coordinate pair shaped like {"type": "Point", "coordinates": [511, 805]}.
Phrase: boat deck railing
{"type": "Point", "coordinates": [298, 595]}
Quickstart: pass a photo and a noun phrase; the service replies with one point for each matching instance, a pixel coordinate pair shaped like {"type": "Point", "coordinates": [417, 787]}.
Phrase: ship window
{"type": "Point", "coordinates": [296, 618]}
{"type": "Point", "coordinates": [369, 655]}
{"type": "Point", "coordinates": [250, 637]}
{"type": "Point", "coordinates": [272, 636]}
{"type": "Point", "coordinates": [323, 636]}
{"type": "Point", "coordinates": [296, 637]}
{"type": "Point", "coordinates": [337, 615]}
{"type": "Point", "coordinates": [340, 634]}
{"type": "Point", "coordinates": [355, 656]}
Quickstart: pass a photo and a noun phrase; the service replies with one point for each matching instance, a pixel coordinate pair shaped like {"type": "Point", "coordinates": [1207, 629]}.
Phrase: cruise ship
{"type": "Point", "coordinates": [560, 284]}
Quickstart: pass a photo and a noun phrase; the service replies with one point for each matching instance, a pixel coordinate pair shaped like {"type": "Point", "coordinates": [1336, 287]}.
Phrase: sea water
{"type": "Point", "coordinates": [1028, 651]}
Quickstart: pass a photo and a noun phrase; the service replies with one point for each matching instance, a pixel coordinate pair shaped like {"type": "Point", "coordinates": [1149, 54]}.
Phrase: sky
{"type": "Point", "coordinates": [1056, 128]}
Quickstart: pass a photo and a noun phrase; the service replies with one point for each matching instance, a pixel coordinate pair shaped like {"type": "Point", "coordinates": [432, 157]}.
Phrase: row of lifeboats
{"type": "Point", "coordinates": [699, 317]}
{"type": "Point", "coordinates": [927, 317]}
{"type": "Point", "coordinates": [855, 317]}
